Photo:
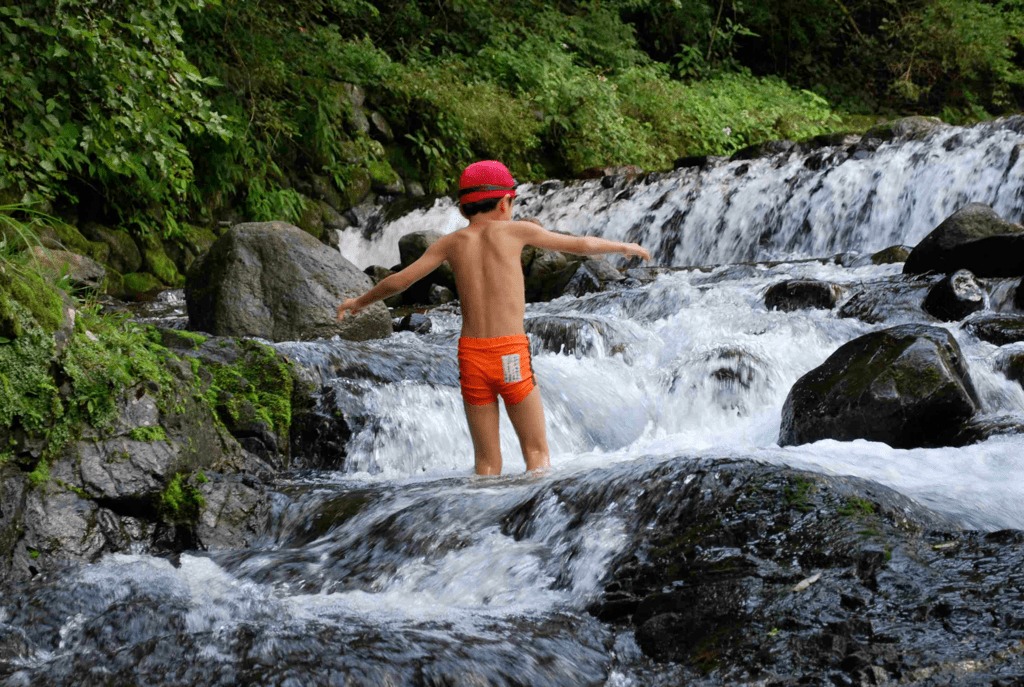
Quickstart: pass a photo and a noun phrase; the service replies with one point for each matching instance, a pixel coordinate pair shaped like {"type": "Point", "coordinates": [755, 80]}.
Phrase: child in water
{"type": "Point", "coordinates": [494, 353]}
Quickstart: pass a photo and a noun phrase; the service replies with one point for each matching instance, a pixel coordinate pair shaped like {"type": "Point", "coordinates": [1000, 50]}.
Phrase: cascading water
{"type": "Point", "coordinates": [403, 569]}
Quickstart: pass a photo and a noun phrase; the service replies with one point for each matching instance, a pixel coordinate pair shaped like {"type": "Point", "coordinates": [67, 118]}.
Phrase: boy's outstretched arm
{"type": "Point", "coordinates": [535, 235]}
{"type": "Point", "coordinates": [397, 282]}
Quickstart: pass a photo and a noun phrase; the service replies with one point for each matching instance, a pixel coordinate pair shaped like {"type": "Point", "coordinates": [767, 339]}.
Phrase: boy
{"type": "Point", "coordinates": [494, 353]}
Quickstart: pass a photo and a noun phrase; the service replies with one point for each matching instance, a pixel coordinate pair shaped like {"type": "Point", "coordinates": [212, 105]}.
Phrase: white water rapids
{"type": "Point", "coordinates": [425, 570]}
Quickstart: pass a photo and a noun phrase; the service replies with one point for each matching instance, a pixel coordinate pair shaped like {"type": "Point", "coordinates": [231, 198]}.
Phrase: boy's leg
{"type": "Point", "coordinates": [527, 417]}
{"type": "Point", "coordinates": [483, 428]}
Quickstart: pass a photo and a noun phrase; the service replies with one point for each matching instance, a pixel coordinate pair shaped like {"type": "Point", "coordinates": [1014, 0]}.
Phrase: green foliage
{"type": "Point", "coordinates": [148, 433]}
{"type": "Point", "coordinates": [968, 55]}
{"type": "Point", "coordinates": [100, 94]}
{"type": "Point", "coordinates": [180, 501]}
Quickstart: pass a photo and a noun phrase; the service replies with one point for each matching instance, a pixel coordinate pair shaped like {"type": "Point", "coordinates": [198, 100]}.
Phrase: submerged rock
{"type": "Point", "coordinates": [274, 281]}
{"type": "Point", "coordinates": [973, 238]}
{"type": "Point", "coordinates": [797, 294]}
{"type": "Point", "coordinates": [955, 297]}
{"type": "Point", "coordinates": [906, 386]}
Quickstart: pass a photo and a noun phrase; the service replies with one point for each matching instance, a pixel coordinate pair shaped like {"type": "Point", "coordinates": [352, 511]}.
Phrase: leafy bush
{"type": "Point", "coordinates": [95, 94]}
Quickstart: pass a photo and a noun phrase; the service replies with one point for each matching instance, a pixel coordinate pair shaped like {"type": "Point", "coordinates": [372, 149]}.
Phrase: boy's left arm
{"type": "Point", "coordinates": [397, 282]}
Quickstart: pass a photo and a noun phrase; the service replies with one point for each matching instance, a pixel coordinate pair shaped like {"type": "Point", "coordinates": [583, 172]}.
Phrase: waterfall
{"type": "Point", "coordinates": [800, 204]}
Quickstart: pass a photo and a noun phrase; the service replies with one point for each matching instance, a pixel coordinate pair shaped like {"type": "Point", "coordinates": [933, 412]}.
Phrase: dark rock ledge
{"type": "Point", "coordinates": [743, 573]}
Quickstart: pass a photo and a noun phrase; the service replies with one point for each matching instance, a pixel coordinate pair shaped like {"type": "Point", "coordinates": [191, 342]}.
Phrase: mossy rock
{"type": "Point", "coordinates": [136, 285]}
{"type": "Point", "coordinates": [156, 261]}
{"type": "Point", "coordinates": [311, 220]}
{"type": "Point", "coordinates": [124, 256]}
{"type": "Point", "coordinates": [383, 178]}
{"type": "Point", "coordinates": [42, 301]}
{"type": "Point", "coordinates": [66, 236]}
{"type": "Point", "coordinates": [358, 184]}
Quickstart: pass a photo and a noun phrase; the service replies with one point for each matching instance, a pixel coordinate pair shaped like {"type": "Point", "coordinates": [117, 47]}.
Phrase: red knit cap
{"type": "Point", "coordinates": [485, 179]}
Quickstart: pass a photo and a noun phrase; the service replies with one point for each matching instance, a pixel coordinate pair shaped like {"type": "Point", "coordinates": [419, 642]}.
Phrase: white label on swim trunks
{"type": "Point", "coordinates": [510, 367]}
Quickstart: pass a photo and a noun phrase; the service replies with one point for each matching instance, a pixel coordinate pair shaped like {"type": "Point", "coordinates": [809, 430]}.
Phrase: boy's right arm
{"type": "Point", "coordinates": [535, 235]}
{"type": "Point", "coordinates": [397, 282]}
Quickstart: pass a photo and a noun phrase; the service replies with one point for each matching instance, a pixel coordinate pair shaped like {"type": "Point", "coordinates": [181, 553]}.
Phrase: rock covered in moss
{"type": "Point", "coordinates": [273, 280]}
{"type": "Point", "coordinates": [124, 255]}
{"type": "Point", "coordinates": [973, 238]}
{"type": "Point", "coordinates": [906, 386]}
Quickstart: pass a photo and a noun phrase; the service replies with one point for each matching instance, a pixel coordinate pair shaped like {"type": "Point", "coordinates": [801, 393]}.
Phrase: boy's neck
{"type": "Point", "coordinates": [494, 215]}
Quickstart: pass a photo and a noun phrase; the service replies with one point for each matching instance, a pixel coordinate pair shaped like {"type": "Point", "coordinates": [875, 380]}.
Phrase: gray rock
{"type": "Point", "coordinates": [890, 255]}
{"type": "Point", "coordinates": [414, 189]}
{"type": "Point", "coordinates": [439, 295]}
{"type": "Point", "coordinates": [381, 126]}
{"type": "Point", "coordinates": [799, 294]}
{"type": "Point", "coordinates": [955, 297]}
{"type": "Point", "coordinates": [415, 322]}
{"type": "Point", "coordinates": [121, 468]}
{"type": "Point", "coordinates": [592, 275]}
{"type": "Point", "coordinates": [973, 238]}
{"type": "Point", "coordinates": [274, 281]}
{"type": "Point", "coordinates": [235, 513]}
{"type": "Point", "coordinates": [410, 248]}
{"type": "Point", "coordinates": [906, 128]}
{"type": "Point", "coordinates": [906, 386]}
{"type": "Point", "coordinates": [81, 271]}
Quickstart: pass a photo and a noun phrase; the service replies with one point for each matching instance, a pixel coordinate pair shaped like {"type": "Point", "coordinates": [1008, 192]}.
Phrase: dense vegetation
{"type": "Point", "coordinates": [144, 114]}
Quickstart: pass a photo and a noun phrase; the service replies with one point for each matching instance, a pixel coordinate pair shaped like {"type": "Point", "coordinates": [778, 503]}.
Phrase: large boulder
{"type": "Point", "coordinates": [973, 238]}
{"type": "Point", "coordinates": [273, 280]}
{"type": "Point", "coordinates": [906, 386]}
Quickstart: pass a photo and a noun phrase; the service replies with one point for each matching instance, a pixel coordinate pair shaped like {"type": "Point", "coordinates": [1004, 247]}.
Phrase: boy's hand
{"type": "Point", "coordinates": [349, 306]}
{"type": "Point", "coordinates": [636, 250]}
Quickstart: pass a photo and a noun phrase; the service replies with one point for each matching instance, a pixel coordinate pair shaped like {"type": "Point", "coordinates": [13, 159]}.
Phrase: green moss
{"type": "Point", "coordinates": [381, 173]}
{"type": "Point", "coordinates": [797, 494]}
{"type": "Point", "coordinates": [33, 553]}
{"type": "Point", "coordinates": [856, 507]}
{"type": "Point", "coordinates": [257, 388]}
{"type": "Point", "coordinates": [156, 262]}
{"type": "Point", "coordinates": [148, 433]}
{"type": "Point", "coordinates": [180, 501]}
{"type": "Point", "coordinates": [41, 474]}
{"type": "Point", "coordinates": [139, 284]}
{"type": "Point", "coordinates": [39, 296]}
{"type": "Point", "coordinates": [78, 491]}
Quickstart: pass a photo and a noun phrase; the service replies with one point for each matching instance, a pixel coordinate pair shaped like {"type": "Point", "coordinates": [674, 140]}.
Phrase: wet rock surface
{"type": "Point", "coordinates": [955, 297]}
{"type": "Point", "coordinates": [748, 574]}
{"type": "Point", "coordinates": [796, 294]}
{"type": "Point", "coordinates": [998, 328]}
{"type": "Point", "coordinates": [907, 386]}
{"type": "Point", "coordinates": [973, 238]}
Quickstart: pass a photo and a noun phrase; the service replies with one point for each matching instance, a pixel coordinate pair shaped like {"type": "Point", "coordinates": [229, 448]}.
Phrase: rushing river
{"type": "Point", "coordinates": [404, 568]}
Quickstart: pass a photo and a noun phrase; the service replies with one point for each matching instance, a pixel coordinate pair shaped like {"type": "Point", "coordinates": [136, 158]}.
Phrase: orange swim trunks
{"type": "Point", "coordinates": [495, 366]}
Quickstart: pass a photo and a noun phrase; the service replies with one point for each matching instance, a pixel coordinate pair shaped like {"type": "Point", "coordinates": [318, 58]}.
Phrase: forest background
{"type": "Point", "coordinates": [150, 114]}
